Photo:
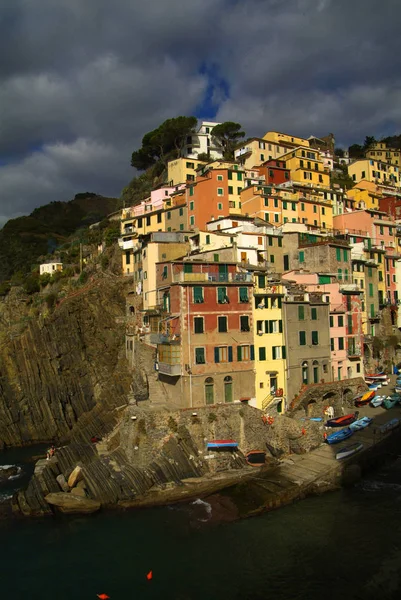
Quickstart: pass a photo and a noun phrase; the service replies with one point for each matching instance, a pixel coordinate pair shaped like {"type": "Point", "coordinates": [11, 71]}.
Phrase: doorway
{"type": "Point", "coordinates": [228, 389]}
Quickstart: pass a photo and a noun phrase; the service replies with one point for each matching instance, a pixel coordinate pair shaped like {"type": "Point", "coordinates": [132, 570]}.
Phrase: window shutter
{"type": "Point", "coordinates": [239, 354]}
{"type": "Point", "coordinates": [270, 326]}
{"type": "Point", "coordinates": [284, 352]}
{"type": "Point", "coordinates": [252, 352]}
{"type": "Point", "coordinates": [216, 355]}
{"type": "Point", "coordinates": [280, 326]}
{"type": "Point", "coordinates": [230, 354]}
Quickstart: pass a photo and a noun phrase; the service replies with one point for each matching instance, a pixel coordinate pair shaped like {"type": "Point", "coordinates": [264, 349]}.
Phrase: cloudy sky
{"type": "Point", "coordinates": [81, 81]}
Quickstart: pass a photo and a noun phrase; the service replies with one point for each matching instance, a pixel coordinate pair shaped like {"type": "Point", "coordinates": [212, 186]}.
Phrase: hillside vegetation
{"type": "Point", "coordinates": [25, 239]}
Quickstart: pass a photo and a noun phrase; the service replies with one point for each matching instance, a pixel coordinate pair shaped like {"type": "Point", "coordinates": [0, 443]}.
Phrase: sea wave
{"type": "Point", "coordinates": [206, 506]}
{"type": "Point", "coordinates": [378, 486]}
{"type": "Point", "coordinates": [4, 467]}
{"type": "Point", "coordinates": [5, 496]}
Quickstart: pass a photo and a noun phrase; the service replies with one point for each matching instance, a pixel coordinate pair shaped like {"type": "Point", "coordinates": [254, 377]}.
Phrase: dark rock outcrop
{"type": "Point", "coordinates": [63, 376]}
{"type": "Point", "coordinates": [70, 504]}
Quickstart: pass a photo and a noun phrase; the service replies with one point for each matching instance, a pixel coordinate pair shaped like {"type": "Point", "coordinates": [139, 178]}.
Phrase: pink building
{"type": "Point", "coordinates": [377, 225]}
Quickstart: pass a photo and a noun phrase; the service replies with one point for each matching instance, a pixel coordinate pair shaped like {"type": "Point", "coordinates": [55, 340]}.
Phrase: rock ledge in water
{"type": "Point", "coordinates": [72, 504]}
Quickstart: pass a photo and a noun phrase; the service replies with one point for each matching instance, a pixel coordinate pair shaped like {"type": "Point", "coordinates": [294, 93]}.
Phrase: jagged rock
{"type": "Point", "coordinates": [75, 476]}
{"type": "Point", "coordinates": [78, 492]}
{"type": "Point", "coordinates": [59, 373]}
{"type": "Point", "coordinates": [61, 480]}
{"type": "Point", "coordinates": [7, 472]}
{"type": "Point", "coordinates": [72, 504]}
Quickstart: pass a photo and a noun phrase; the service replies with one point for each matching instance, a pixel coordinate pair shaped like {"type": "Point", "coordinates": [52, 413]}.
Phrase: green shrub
{"type": "Point", "coordinates": [44, 279]}
{"type": "Point", "coordinates": [51, 300]}
{"type": "Point", "coordinates": [31, 284]}
{"type": "Point", "coordinates": [172, 423]}
{"type": "Point", "coordinates": [5, 287]}
{"type": "Point", "coordinates": [83, 278]}
{"type": "Point", "coordinates": [212, 417]}
{"type": "Point", "coordinates": [104, 261]}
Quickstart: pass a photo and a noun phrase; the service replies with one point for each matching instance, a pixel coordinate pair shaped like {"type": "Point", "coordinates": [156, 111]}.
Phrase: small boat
{"type": "Point", "coordinates": [398, 389]}
{"type": "Point", "coordinates": [391, 401]}
{"type": "Point", "coordinates": [389, 426]}
{"type": "Point", "coordinates": [256, 458]}
{"type": "Point", "coordinates": [339, 436]}
{"type": "Point", "coordinates": [217, 444]}
{"type": "Point", "coordinates": [342, 421]}
{"type": "Point", "coordinates": [374, 386]}
{"type": "Point", "coordinates": [361, 423]}
{"type": "Point", "coordinates": [349, 450]}
{"type": "Point", "coordinates": [377, 401]}
{"type": "Point", "coordinates": [376, 376]}
{"type": "Point", "coordinates": [365, 398]}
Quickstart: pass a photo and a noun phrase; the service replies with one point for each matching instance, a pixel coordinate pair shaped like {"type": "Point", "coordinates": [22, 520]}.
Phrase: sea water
{"type": "Point", "coordinates": [345, 544]}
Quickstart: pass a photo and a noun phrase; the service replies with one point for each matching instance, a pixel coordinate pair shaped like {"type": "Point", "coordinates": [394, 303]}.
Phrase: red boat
{"type": "Point", "coordinates": [342, 421]}
{"type": "Point", "coordinates": [365, 398]}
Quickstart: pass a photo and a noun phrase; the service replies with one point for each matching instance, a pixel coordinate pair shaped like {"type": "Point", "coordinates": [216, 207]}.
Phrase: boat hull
{"type": "Point", "coordinates": [361, 423]}
{"type": "Point", "coordinates": [339, 436]}
{"type": "Point", "coordinates": [341, 421]}
{"type": "Point", "coordinates": [348, 451]}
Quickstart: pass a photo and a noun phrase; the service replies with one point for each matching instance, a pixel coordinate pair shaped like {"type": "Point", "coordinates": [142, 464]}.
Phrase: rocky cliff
{"type": "Point", "coordinates": [62, 376]}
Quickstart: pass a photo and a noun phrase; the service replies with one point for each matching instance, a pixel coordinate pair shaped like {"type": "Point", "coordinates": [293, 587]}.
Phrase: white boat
{"type": "Point", "coordinates": [349, 450]}
{"type": "Point", "coordinates": [377, 401]}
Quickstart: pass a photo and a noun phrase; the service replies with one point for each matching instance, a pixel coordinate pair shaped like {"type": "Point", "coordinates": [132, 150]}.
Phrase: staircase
{"type": "Point", "coordinates": [265, 403]}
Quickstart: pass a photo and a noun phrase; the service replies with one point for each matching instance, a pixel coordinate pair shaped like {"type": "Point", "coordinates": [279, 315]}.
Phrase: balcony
{"type": "Point", "coordinates": [212, 277]}
{"type": "Point", "coordinates": [243, 152]}
{"type": "Point", "coordinates": [169, 358]}
{"type": "Point", "coordinates": [126, 244]}
{"type": "Point", "coordinates": [349, 287]}
{"type": "Point", "coordinates": [171, 370]}
{"type": "Point", "coordinates": [354, 353]}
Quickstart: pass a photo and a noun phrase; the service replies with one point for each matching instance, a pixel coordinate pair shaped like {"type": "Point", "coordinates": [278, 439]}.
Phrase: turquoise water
{"type": "Point", "coordinates": [346, 543]}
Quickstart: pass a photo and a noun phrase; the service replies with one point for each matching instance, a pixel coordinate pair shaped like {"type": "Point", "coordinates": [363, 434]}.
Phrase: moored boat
{"type": "Point", "coordinates": [361, 423]}
{"type": "Point", "coordinates": [377, 401]}
{"type": "Point", "coordinates": [217, 444]}
{"type": "Point", "coordinates": [256, 458]}
{"type": "Point", "coordinates": [339, 436]}
{"type": "Point", "coordinates": [376, 376]}
{"type": "Point", "coordinates": [389, 426]}
{"type": "Point", "coordinates": [349, 450]}
{"type": "Point", "coordinates": [364, 399]}
{"type": "Point", "coordinates": [342, 421]}
{"type": "Point", "coordinates": [391, 401]}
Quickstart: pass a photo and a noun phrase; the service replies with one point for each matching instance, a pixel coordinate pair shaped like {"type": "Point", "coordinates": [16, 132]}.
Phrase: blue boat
{"type": "Point", "coordinates": [217, 444]}
{"type": "Point", "coordinates": [339, 436]}
{"type": "Point", "coordinates": [377, 401]}
{"type": "Point", "coordinates": [389, 426]}
{"type": "Point", "coordinates": [349, 450]}
{"type": "Point", "coordinates": [361, 423]}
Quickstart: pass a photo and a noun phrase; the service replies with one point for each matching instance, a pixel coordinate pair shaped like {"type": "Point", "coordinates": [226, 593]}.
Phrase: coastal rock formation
{"type": "Point", "coordinates": [72, 504]}
{"type": "Point", "coordinates": [63, 376]}
{"type": "Point", "coordinates": [162, 454]}
{"type": "Point", "coordinates": [9, 471]}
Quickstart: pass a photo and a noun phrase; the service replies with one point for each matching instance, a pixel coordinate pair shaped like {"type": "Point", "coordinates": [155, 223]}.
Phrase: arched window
{"type": "Point", "coordinates": [228, 388]}
{"type": "Point", "coordinates": [305, 372]}
{"type": "Point", "coordinates": [131, 310]}
{"type": "Point", "coordinates": [209, 390]}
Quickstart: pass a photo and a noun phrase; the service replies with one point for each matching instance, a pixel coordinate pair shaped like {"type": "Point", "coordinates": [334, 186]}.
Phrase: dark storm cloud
{"type": "Point", "coordinates": [81, 82]}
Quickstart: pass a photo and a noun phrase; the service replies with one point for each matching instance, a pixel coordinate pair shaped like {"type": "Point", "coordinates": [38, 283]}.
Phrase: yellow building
{"type": "Point", "coordinates": [375, 171]}
{"type": "Point", "coordinates": [381, 151]}
{"type": "Point", "coordinates": [270, 383]}
{"type": "Point", "coordinates": [307, 167]}
{"type": "Point", "coordinates": [284, 138]}
{"type": "Point", "coordinates": [256, 151]}
{"type": "Point", "coordinates": [366, 195]}
{"type": "Point", "coordinates": [182, 170]}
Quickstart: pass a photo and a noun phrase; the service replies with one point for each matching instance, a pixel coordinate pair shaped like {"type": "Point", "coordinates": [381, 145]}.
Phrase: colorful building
{"type": "Point", "coordinates": [205, 350]}
{"type": "Point", "coordinates": [375, 171]}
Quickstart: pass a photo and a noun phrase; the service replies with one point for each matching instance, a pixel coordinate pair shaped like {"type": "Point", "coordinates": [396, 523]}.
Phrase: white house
{"type": "Point", "coordinates": [51, 268]}
{"type": "Point", "coordinates": [202, 142]}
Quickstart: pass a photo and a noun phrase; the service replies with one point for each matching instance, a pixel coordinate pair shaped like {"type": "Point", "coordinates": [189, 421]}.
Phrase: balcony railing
{"type": "Point", "coordinates": [126, 244]}
{"type": "Point", "coordinates": [242, 152]}
{"type": "Point", "coordinates": [167, 369]}
{"type": "Point", "coordinates": [212, 277]}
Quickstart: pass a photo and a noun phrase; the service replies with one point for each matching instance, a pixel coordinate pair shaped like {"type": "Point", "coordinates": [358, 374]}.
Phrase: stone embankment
{"type": "Point", "coordinates": [155, 456]}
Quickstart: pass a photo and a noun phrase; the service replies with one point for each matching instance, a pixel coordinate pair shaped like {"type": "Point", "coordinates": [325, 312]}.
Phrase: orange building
{"type": "Point", "coordinates": [215, 194]}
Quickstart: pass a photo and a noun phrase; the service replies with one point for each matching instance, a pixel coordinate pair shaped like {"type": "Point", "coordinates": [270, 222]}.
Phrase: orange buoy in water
{"type": "Point", "coordinates": [103, 596]}
{"type": "Point", "coordinates": [149, 575]}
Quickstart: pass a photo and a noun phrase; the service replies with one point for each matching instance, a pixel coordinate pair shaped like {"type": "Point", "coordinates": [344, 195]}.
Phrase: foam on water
{"type": "Point", "coordinates": [378, 486]}
{"type": "Point", "coordinates": [206, 506]}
